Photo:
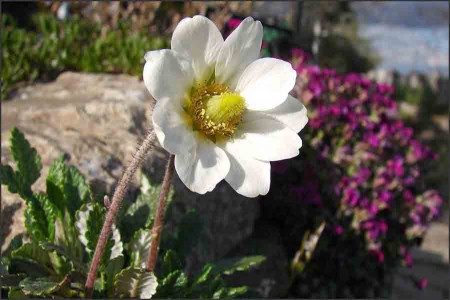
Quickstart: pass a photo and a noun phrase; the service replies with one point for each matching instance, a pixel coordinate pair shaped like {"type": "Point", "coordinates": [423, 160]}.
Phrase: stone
{"type": "Point", "coordinates": [97, 121]}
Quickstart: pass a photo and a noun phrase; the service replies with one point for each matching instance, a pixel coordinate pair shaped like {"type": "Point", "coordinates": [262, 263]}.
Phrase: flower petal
{"type": "Point", "coordinates": [199, 39]}
{"type": "Point", "coordinates": [240, 49]}
{"type": "Point", "coordinates": [265, 83]}
{"type": "Point", "coordinates": [247, 176]}
{"type": "Point", "coordinates": [167, 74]}
{"type": "Point", "coordinates": [172, 131]}
{"type": "Point", "coordinates": [203, 167]}
{"type": "Point", "coordinates": [291, 113]}
{"type": "Point", "coordinates": [266, 138]}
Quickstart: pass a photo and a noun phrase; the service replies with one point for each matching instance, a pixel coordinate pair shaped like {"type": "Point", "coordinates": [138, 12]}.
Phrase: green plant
{"type": "Point", "coordinates": [62, 229]}
{"type": "Point", "coordinates": [75, 44]}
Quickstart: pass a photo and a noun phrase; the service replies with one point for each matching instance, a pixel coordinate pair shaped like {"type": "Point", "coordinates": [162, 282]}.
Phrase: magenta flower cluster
{"type": "Point", "coordinates": [354, 124]}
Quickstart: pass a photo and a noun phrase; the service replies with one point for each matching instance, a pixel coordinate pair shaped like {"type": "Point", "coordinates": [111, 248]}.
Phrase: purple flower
{"type": "Point", "coordinates": [337, 229]}
{"type": "Point", "coordinates": [384, 196]}
{"type": "Point", "coordinates": [422, 284]}
{"type": "Point", "coordinates": [379, 255]}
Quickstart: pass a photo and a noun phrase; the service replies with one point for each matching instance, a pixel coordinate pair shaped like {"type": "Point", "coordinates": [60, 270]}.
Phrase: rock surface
{"type": "Point", "coordinates": [97, 120]}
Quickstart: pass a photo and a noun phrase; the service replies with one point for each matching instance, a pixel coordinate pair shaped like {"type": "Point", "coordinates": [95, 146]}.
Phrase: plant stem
{"type": "Point", "coordinates": [119, 193]}
{"type": "Point", "coordinates": [159, 215]}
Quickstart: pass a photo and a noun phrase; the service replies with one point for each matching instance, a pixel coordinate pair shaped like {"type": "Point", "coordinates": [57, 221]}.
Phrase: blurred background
{"type": "Point", "coordinates": [71, 80]}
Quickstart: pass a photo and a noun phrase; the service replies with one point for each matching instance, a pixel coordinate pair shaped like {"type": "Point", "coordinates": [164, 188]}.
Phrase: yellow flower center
{"type": "Point", "coordinates": [214, 110]}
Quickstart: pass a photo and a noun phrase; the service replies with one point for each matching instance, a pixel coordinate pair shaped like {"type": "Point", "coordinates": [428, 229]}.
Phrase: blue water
{"type": "Point", "coordinates": [408, 36]}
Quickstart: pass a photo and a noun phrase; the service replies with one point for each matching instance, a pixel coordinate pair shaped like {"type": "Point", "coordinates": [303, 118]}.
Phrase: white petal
{"type": "Point", "coordinates": [173, 133]}
{"type": "Point", "coordinates": [167, 74]}
{"type": "Point", "coordinates": [199, 39]}
{"type": "Point", "coordinates": [203, 167]}
{"type": "Point", "coordinates": [266, 83]}
{"type": "Point", "coordinates": [291, 113]}
{"type": "Point", "coordinates": [266, 138]}
{"type": "Point", "coordinates": [240, 49]}
{"type": "Point", "coordinates": [247, 176]}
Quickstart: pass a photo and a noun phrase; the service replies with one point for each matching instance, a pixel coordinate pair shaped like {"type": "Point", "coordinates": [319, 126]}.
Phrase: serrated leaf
{"type": "Point", "coordinates": [66, 187]}
{"type": "Point", "coordinates": [27, 160]}
{"type": "Point", "coordinates": [42, 286]}
{"type": "Point", "coordinates": [204, 275]}
{"type": "Point", "coordinates": [33, 252]}
{"type": "Point", "coordinates": [36, 221]}
{"type": "Point", "coordinates": [230, 293]}
{"type": "Point", "coordinates": [112, 268]}
{"type": "Point", "coordinates": [64, 252]}
{"type": "Point", "coordinates": [66, 234]}
{"type": "Point", "coordinates": [140, 247]}
{"type": "Point", "coordinates": [37, 255]}
{"type": "Point", "coordinates": [8, 178]}
{"type": "Point", "coordinates": [89, 222]}
{"type": "Point", "coordinates": [135, 283]}
{"type": "Point", "coordinates": [171, 263]}
{"type": "Point", "coordinates": [140, 213]}
{"type": "Point", "coordinates": [50, 212]}
{"type": "Point", "coordinates": [238, 264]}
{"type": "Point", "coordinates": [174, 285]}
{"type": "Point", "coordinates": [16, 293]}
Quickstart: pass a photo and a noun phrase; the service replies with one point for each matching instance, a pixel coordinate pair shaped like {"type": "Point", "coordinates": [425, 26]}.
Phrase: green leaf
{"type": "Point", "coordinates": [174, 285]}
{"type": "Point", "coordinates": [33, 252]}
{"type": "Point", "coordinates": [36, 221]}
{"type": "Point", "coordinates": [141, 213]}
{"type": "Point", "coordinates": [140, 247]}
{"type": "Point", "coordinates": [66, 235]}
{"type": "Point", "coordinates": [112, 268]}
{"type": "Point", "coordinates": [135, 283]}
{"type": "Point", "coordinates": [204, 275]}
{"type": "Point", "coordinates": [16, 293]}
{"type": "Point", "coordinates": [68, 254]}
{"type": "Point", "coordinates": [38, 286]}
{"type": "Point", "coordinates": [238, 264]}
{"type": "Point", "coordinates": [28, 161]}
{"type": "Point", "coordinates": [66, 187]}
{"type": "Point", "coordinates": [50, 212]}
{"type": "Point", "coordinates": [171, 263]}
{"type": "Point", "coordinates": [8, 178]}
{"type": "Point", "coordinates": [36, 256]}
{"type": "Point", "coordinates": [89, 223]}
{"type": "Point", "coordinates": [230, 293]}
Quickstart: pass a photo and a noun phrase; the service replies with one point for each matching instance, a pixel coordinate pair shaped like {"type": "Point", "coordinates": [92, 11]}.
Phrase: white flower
{"type": "Point", "coordinates": [223, 113]}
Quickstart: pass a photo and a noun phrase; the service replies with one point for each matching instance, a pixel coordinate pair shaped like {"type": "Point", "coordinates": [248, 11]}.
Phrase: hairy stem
{"type": "Point", "coordinates": [119, 193]}
{"type": "Point", "coordinates": [159, 215]}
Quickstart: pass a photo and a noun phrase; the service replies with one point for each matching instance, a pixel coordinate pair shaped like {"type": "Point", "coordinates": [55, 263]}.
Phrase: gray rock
{"type": "Point", "coordinates": [97, 120]}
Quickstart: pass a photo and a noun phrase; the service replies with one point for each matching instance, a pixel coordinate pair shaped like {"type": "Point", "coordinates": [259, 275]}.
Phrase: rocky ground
{"type": "Point", "coordinates": [98, 119]}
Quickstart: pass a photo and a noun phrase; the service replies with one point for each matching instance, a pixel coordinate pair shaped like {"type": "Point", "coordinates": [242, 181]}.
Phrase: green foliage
{"type": "Point", "coordinates": [28, 166]}
{"type": "Point", "coordinates": [135, 282]}
{"type": "Point", "coordinates": [55, 46]}
{"type": "Point", "coordinates": [64, 224]}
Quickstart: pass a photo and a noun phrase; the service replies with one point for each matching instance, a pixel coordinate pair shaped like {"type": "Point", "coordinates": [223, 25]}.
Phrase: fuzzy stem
{"type": "Point", "coordinates": [159, 215]}
{"type": "Point", "coordinates": [119, 193]}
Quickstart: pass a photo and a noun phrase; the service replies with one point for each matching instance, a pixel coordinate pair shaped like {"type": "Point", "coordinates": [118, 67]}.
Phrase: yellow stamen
{"type": "Point", "coordinates": [215, 111]}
